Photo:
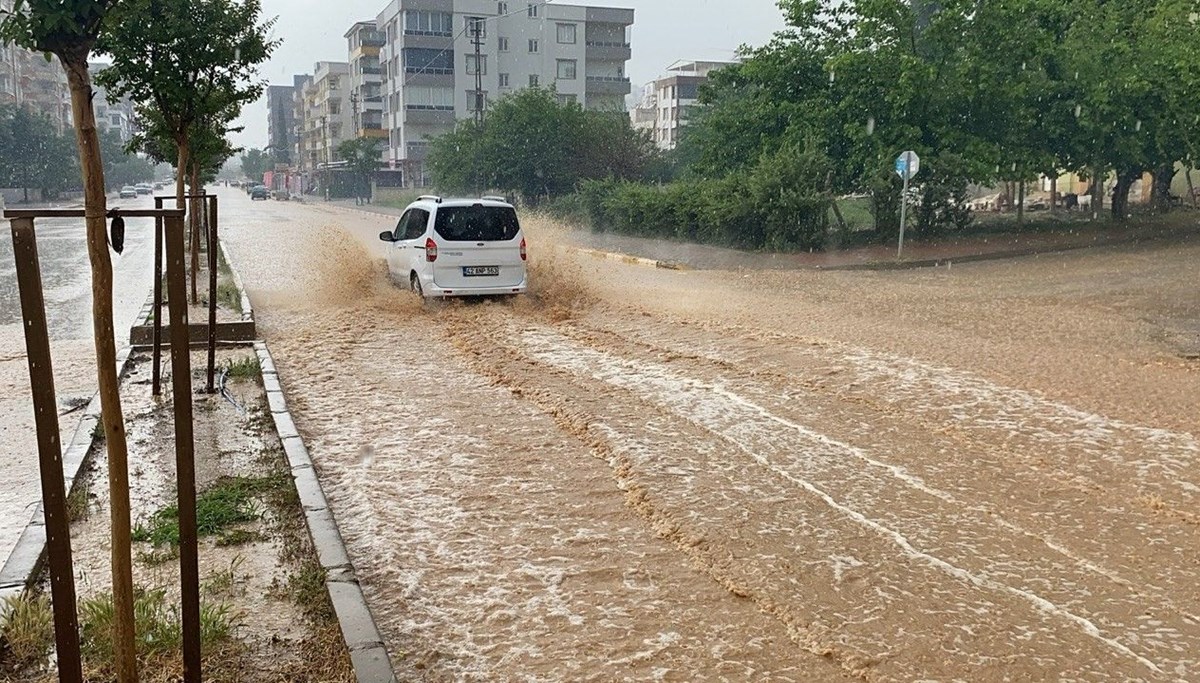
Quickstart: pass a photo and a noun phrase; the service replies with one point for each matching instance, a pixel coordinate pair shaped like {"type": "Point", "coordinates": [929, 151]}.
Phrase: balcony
{"type": "Point", "coordinates": [609, 85]}
{"type": "Point", "coordinates": [372, 70]}
{"type": "Point", "coordinates": [599, 50]}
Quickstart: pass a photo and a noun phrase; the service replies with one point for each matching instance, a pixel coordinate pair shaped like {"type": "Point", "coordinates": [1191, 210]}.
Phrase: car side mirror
{"type": "Point", "coordinates": [387, 236]}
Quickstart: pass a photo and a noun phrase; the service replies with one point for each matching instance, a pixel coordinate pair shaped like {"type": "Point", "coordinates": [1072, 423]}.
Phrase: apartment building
{"type": "Point", "coordinates": [364, 42]}
{"type": "Point", "coordinates": [430, 63]}
{"type": "Point", "coordinates": [281, 122]}
{"type": "Point", "coordinates": [327, 115]}
{"type": "Point", "coordinates": [666, 103]}
{"type": "Point", "coordinates": [299, 160]}
{"type": "Point", "coordinates": [27, 79]}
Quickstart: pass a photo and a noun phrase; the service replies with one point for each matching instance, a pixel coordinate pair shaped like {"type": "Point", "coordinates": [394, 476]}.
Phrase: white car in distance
{"type": "Point", "coordinates": [458, 247]}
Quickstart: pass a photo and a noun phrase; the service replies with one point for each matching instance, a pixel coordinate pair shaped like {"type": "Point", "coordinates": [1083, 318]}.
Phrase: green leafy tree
{"type": "Point", "coordinates": [191, 62]}
{"type": "Point", "coordinates": [534, 146]}
{"type": "Point", "coordinates": [69, 29]}
{"type": "Point", "coordinates": [362, 158]}
{"type": "Point", "coordinates": [255, 163]}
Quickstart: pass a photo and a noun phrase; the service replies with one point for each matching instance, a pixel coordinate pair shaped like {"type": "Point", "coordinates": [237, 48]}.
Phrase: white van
{"type": "Point", "coordinates": [458, 247]}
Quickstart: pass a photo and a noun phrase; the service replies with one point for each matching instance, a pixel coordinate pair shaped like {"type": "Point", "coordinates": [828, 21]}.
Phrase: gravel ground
{"type": "Point", "coordinates": [978, 473]}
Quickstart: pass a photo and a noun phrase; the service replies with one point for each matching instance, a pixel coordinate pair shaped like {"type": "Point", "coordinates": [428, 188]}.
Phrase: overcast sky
{"type": "Point", "coordinates": [663, 31]}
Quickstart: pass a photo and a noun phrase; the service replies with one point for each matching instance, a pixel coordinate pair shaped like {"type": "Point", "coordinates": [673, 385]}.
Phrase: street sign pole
{"type": "Point", "coordinates": [903, 216]}
{"type": "Point", "coordinates": [907, 165]}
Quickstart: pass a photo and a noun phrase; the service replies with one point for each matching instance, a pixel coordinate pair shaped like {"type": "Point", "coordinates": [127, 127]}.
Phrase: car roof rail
{"type": "Point", "coordinates": [493, 198]}
{"type": "Point", "coordinates": [431, 197]}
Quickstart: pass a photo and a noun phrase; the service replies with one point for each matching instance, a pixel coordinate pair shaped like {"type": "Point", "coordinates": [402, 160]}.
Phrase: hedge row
{"type": "Point", "coordinates": [746, 212]}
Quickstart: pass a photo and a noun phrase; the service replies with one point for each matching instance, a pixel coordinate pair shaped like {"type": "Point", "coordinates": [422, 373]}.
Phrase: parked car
{"type": "Point", "coordinates": [158, 186]}
{"type": "Point", "coordinates": [458, 247]}
{"type": "Point", "coordinates": [260, 192]}
{"type": "Point", "coordinates": [144, 188]}
{"type": "Point", "coordinates": [129, 192]}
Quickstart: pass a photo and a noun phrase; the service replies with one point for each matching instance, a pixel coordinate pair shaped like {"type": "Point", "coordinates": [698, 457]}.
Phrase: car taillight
{"type": "Point", "coordinates": [430, 250]}
{"type": "Point", "coordinates": [523, 249]}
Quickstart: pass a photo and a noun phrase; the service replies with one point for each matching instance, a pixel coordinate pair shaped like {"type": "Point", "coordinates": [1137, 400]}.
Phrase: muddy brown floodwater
{"type": "Point", "coordinates": [985, 473]}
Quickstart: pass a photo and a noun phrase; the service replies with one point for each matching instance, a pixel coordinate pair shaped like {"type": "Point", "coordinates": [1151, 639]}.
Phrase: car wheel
{"type": "Point", "coordinates": [414, 283]}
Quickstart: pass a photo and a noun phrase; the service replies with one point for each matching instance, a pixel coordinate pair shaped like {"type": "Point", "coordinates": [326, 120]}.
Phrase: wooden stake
{"type": "Point", "coordinates": [45, 412]}
{"type": "Point", "coordinates": [185, 461]}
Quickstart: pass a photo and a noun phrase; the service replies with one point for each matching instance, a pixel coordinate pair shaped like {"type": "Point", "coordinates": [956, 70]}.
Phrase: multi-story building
{"type": "Point", "coordinates": [364, 41]}
{"type": "Point", "coordinates": [29, 80]}
{"type": "Point", "coordinates": [281, 122]}
{"type": "Point", "coordinates": [327, 118]}
{"type": "Point", "coordinates": [666, 103]}
{"type": "Point", "coordinates": [115, 115]}
{"type": "Point", "coordinates": [299, 159]}
{"type": "Point", "coordinates": [431, 63]}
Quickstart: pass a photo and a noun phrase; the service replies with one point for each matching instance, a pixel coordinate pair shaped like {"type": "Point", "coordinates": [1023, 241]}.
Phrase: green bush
{"type": "Point", "coordinates": [776, 207]}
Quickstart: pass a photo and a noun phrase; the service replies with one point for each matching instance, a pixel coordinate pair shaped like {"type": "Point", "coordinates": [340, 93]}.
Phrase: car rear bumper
{"type": "Point", "coordinates": [433, 291]}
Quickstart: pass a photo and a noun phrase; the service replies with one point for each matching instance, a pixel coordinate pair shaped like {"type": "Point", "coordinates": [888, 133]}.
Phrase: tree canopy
{"type": "Point", "coordinates": [532, 145]}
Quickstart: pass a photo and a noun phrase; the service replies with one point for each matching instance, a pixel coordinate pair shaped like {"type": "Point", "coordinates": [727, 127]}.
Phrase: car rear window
{"type": "Point", "coordinates": [477, 223]}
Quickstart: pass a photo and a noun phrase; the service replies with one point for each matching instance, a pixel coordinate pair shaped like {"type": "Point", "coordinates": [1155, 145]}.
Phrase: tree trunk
{"type": "Point", "coordinates": [106, 361]}
{"type": "Point", "coordinates": [194, 231]}
{"type": "Point", "coordinates": [1192, 188]}
{"type": "Point", "coordinates": [1097, 194]}
{"type": "Point", "coordinates": [1120, 203]}
{"type": "Point", "coordinates": [1021, 203]}
{"type": "Point", "coordinates": [1054, 193]}
{"type": "Point", "coordinates": [1160, 192]}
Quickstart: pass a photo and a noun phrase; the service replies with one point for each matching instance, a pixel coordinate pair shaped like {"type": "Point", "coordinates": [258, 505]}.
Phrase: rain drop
{"type": "Point", "coordinates": [1138, 126]}
{"type": "Point", "coordinates": [870, 125]}
{"type": "Point", "coordinates": [832, 76]}
{"type": "Point", "coordinates": [1078, 110]}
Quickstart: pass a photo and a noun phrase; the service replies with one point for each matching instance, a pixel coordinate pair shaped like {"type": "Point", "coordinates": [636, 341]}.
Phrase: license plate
{"type": "Point", "coordinates": [481, 271]}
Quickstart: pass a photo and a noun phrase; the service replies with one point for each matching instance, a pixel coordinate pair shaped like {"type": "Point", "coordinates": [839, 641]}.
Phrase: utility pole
{"type": "Point", "coordinates": [477, 40]}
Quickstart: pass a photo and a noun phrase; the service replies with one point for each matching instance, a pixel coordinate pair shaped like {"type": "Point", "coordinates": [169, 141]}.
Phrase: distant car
{"type": "Point", "coordinates": [144, 188]}
{"type": "Point", "coordinates": [458, 247]}
{"type": "Point", "coordinates": [129, 192]}
{"type": "Point", "coordinates": [260, 192]}
{"type": "Point", "coordinates": [158, 186]}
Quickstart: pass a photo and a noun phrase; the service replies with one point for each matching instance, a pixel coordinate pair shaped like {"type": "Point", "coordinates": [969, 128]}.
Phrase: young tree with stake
{"type": "Point", "coordinates": [70, 29]}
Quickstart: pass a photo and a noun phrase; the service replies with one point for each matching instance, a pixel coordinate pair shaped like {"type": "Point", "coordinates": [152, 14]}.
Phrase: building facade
{"type": "Point", "coordinates": [327, 119]}
{"type": "Point", "coordinates": [431, 64]}
{"type": "Point", "coordinates": [364, 42]}
{"type": "Point", "coordinates": [112, 114]}
{"type": "Point", "coordinates": [666, 103]}
{"type": "Point", "coordinates": [281, 123]}
{"type": "Point", "coordinates": [28, 80]}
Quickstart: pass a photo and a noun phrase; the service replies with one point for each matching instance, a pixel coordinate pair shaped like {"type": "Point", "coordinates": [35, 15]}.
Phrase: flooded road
{"type": "Point", "coordinates": [67, 286]}
{"type": "Point", "coordinates": [988, 473]}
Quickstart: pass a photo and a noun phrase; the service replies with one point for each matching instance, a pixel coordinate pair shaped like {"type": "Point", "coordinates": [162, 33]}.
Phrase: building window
{"type": "Point", "coordinates": [566, 34]}
{"type": "Point", "coordinates": [472, 24]}
{"type": "Point", "coordinates": [567, 69]}
{"type": "Point", "coordinates": [567, 99]}
{"type": "Point", "coordinates": [476, 64]}
{"type": "Point", "coordinates": [503, 44]}
{"type": "Point", "coordinates": [533, 80]}
{"type": "Point", "coordinates": [534, 45]}
{"type": "Point", "coordinates": [533, 10]}
{"type": "Point", "coordinates": [476, 101]}
{"type": "Point", "coordinates": [503, 80]}
{"type": "Point", "coordinates": [428, 60]}
{"type": "Point", "coordinates": [426, 23]}
{"type": "Point", "coordinates": [502, 8]}
{"type": "Point", "coordinates": [429, 98]}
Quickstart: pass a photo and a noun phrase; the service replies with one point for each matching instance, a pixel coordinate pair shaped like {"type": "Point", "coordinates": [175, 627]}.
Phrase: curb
{"type": "Point", "coordinates": [27, 559]}
{"type": "Point", "coordinates": [367, 652]}
{"type": "Point", "coordinates": [632, 260]}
